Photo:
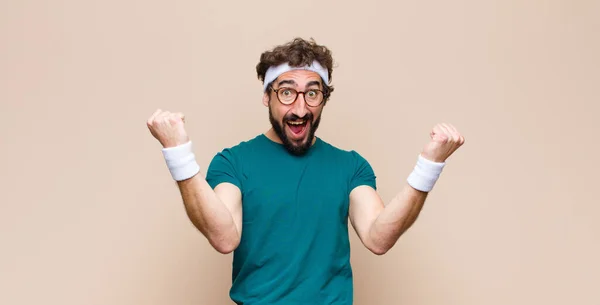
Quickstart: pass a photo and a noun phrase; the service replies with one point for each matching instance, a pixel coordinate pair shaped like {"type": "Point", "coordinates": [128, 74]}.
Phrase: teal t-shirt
{"type": "Point", "coordinates": [295, 247]}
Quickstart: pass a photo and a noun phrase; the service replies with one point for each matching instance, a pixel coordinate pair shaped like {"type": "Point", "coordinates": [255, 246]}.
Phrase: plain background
{"type": "Point", "coordinates": [90, 215]}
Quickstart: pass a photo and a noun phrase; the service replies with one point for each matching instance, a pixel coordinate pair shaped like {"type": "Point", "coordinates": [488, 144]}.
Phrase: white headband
{"type": "Point", "coordinates": [274, 71]}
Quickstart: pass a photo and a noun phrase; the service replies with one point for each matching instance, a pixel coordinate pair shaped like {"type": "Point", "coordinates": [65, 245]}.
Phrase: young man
{"type": "Point", "coordinates": [281, 201]}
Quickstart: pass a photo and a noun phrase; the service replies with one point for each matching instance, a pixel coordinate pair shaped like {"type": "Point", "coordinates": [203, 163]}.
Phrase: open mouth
{"type": "Point", "coordinates": [297, 127]}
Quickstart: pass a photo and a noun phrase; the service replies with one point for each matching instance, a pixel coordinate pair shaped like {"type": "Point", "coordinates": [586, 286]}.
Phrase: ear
{"type": "Point", "coordinates": [266, 99]}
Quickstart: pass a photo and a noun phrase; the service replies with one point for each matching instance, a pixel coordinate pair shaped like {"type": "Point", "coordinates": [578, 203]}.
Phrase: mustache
{"type": "Point", "coordinates": [293, 117]}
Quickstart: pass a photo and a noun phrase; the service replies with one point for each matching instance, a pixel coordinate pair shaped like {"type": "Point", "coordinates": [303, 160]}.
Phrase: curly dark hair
{"type": "Point", "coordinates": [298, 52]}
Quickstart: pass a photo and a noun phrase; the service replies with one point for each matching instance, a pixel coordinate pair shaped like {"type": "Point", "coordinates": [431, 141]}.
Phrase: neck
{"type": "Point", "coordinates": [272, 135]}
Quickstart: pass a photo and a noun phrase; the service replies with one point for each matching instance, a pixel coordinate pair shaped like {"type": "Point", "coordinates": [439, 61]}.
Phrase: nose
{"type": "Point", "coordinates": [299, 106]}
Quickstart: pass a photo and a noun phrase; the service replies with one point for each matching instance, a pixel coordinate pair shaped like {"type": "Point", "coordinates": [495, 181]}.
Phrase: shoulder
{"type": "Point", "coordinates": [227, 165]}
{"type": "Point", "coordinates": [233, 156]}
{"type": "Point", "coordinates": [358, 168]}
{"type": "Point", "coordinates": [349, 159]}
{"type": "Point", "coordinates": [240, 148]}
{"type": "Point", "coordinates": [349, 155]}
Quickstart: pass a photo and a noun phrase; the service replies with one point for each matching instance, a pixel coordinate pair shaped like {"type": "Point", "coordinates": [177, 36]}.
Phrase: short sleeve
{"type": "Point", "coordinates": [363, 173]}
{"type": "Point", "coordinates": [223, 168]}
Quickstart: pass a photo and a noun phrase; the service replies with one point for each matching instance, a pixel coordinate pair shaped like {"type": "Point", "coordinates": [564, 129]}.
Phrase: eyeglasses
{"type": "Point", "coordinates": [287, 96]}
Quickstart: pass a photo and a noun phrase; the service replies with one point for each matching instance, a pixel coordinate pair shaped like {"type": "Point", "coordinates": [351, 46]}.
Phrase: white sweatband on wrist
{"type": "Point", "coordinates": [425, 174]}
{"type": "Point", "coordinates": [274, 71]}
{"type": "Point", "coordinates": [181, 161]}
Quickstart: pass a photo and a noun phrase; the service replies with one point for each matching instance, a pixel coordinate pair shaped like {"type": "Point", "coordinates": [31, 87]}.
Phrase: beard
{"type": "Point", "coordinates": [293, 147]}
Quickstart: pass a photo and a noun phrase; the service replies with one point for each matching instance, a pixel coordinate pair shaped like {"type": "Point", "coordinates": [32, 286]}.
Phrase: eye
{"type": "Point", "coordinates": [286, 92]}
{"type": "Point", "coordinates": [312, 93]}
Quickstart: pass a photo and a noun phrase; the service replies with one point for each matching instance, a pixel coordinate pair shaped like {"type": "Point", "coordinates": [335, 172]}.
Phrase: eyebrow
{"type": "Point", "coordinates": [313, 83]}
{"type": "Point", "coordinates": [286, 81]}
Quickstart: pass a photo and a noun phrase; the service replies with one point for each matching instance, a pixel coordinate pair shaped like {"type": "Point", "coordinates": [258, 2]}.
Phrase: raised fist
{"type": "Point", "coordinates": [168, 128]}
{"type": "Point", "coordinates": [445, 140]}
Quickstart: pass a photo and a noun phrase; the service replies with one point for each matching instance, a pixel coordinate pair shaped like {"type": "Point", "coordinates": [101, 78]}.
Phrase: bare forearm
{"type": "Point", "coordinates": [209, 214]}
{"type": "Point", "coordinates": [397, 216]}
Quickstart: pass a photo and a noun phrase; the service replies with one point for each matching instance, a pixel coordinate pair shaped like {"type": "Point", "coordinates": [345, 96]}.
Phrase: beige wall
{"type": "Point", "coordinates": [89, 214]}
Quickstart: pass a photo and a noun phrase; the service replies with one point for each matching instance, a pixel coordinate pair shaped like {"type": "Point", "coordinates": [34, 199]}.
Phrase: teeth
{"type": "Point", "coordinates": [296, 123]}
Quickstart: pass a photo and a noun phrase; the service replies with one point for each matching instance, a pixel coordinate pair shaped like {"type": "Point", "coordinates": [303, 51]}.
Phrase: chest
{"type": "Point", "coordinates": [292, 194]}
